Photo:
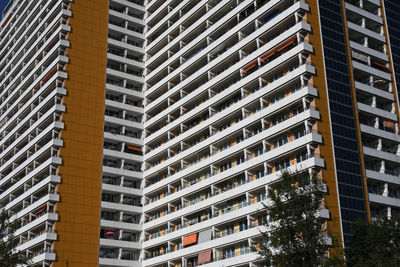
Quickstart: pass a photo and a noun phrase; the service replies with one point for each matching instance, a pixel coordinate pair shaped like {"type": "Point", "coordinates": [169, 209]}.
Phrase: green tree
{"type": "Point", "coordinates": [375, 244]}
{"type": "Point", "coordinates": [9, 257]}
{"type": "Point", "coordinates": [296, 234]}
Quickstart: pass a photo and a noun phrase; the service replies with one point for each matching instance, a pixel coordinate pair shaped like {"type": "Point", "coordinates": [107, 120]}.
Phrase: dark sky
{"type": "Point", "coordinates": [3, 4]}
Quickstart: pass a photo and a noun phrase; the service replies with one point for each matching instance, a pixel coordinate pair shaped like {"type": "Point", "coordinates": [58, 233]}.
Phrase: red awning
{"type": "Point", "coordinates": [51, 73]}
{"type": "Point", "coordinates": [205, 257]}
{"type": "Point", "coordinates": [249, 66]}
{"type": "Point", "coordinates": [5, 22]}
{"type": "Point", "coordinates": [42, 208]}
{"type": "Point", "coordinates": [287, 43]}
{"type": "Point", "coordinates": [379, 63]}
{"type": "Point", "coordinates": [190, 239]}
{"type": "Point", "coordinates": [267, 55]}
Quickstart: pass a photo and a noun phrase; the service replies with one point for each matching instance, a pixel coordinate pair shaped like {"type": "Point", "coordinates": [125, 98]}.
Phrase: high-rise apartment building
{"type": "Point", "coordinates": [146, 133]}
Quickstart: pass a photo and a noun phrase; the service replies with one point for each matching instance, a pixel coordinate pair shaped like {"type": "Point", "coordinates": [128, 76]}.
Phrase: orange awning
{"type": "Point", "coordinates": [132, 147]}
{"type": "Point", "coordinates": [388, 124]}
{"type": "Point", "coordinates": [250, 66]}
{"type": "Point", "coordinates": [205, 257]}
{"type": "Point", "coordinates": [287, 43]}
{"type": "Point", "coordinates": [190, 239]}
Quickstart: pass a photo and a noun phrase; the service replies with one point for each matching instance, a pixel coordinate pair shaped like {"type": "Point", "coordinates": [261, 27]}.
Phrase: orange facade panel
{"type": "Point", "coordinates": [78, 227]}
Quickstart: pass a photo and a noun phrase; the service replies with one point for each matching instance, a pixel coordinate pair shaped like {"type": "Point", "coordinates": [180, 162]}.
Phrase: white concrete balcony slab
{"type": "Point", "coordinates": [221, 96]}
{"type": "Point", "coordinates": [123, 138]}
{"type": "Point", "coordinates": [27, 106]}
{"type": "Point", "coordinates": [123, 122]}
{"type": "Point", "coordinates": [32, 190]}
{"type": "Point", "coordinates": [363, 13]}
{"type": "Point", "coordinates": [127, 91]}
{"type": "Point", "coordinates": [125, 45]}
{"type": "Point", "coordinates": [47, 217]}
{"type": "Point", "coordinates": [377, 111]}
{"type": "Point", "coordinates": [125, 60]}
{"type": "Point", "coordinates": [122, 172]}
{"type": "Point", "coordinates": [38, 153]}
{"type": "Point", "coordinates": [216, 157]}
{"type": "Point", "coordinates": [11, 47]}
{"type": "Point", "coordinates": [369, 51]}
{"type": "Point", "coordinates": [124, 75]}
{"type": "Point", "coordinates": [18, 9]}
{"type": "Point", "coordinates": [35, 205]}
{"type": "Point", "coordinates": [241, 259]}
{"type": "Point", "coordinates": [36, 240]}
{"type": "Point", "coordinates": [155, 57]}
{"type": "Point", "coordinates": [38, 169]}
{"type": "Point", "coordinates": [211, 29]}
{"type": "Point", "coordinates": [121, 207]}
{"type": "Point", "coordinates": [381, 154]}
{"type": "Point", "coordinates": [267, 68]}
{"type": "Point", "coordinates": [273, 109]}
{"type": "Point", "coordinates": [121, 189]}
{"type": "Point", "coordinates": [121, 155]}
{"type": "Point", "coordinates": [54, 125]}
{"type": "Point", "coordinates": [383, 200]}
{"type": "Point", "coordinates": [51, 111]}
{"type": "Point", "coordinates": [278, 152]}
{"type": "Point", "coordinates": [47, 256]}
{"type": "Point", "coordinates": [371, 70]}
{"type": "Point", "coordinates": [307, 114]}
{"type": "Point", "coordinates": [130, 4]}
{"type": "Point", "coordinates": [383, 177]}
{"type": "Point", "coordinates": [120, 105]}
{"type": "Point", "coordinates": [195, 249]}
{"type": "Point", "coordinates": [170, 14]}
{"type": "Point", "coordinates": [312, 162]}
{"type": "Point", "coordinates": [149, 5]}
{"type": "Point", "coordinates": [288, 12]}
{"type": "Point", "coordinates": [127, 17]}
{"type": "Point", "coordinates": [125, 31]}
{"type": "Point", "coordinates": [366, 32]}
{"type": "Point", "coordinates": [374, 91]}
{"type": "Point", "coordinates": [268, 89]}
{"type": "Point", "coordinates": [375, 2]}
{"type": "Point", "coordinates": [121, 225]}
{"type": "Point", "coordinates": [242, 212]}
{"type": "Point", "coordinates": [28, 76]}
{"type": "Point", "coordinates": [379, 133]}
{"type": "Point", "coordinates": [120, 243]}
{"type": "Point", "coordinates": [119, 262]}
